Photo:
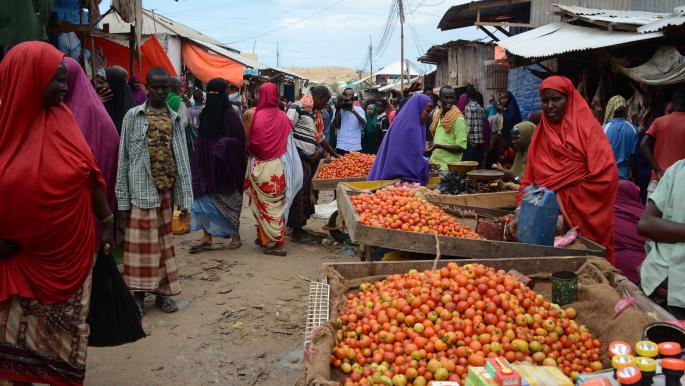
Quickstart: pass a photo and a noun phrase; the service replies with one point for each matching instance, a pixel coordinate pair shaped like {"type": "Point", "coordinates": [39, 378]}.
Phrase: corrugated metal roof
{"type": "Point", "coordinates": [611, 16]}
{"type": "Point", "coordinates": [229, 54]}
{"type": "Point", "coordinates": [558, 38]}
{"type": "Point", "coordinates": [675, 19]}
{"type": "Point", "coordinates": [156, 23]}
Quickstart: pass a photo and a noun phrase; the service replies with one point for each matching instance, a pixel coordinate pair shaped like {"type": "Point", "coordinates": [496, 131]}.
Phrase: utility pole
{"type": "Point", "coordinates": [371, 59]}
{"type": "Point", "coordinates": [254, 45]}
{"type": "Point", "coordinates": [154, 21]}
{"type": "Point", "coordinates": [278, 54]}
{"type": "Point", "coordinates": [401, 5]}
{"type": "Point", "coordinates": [360, 73]}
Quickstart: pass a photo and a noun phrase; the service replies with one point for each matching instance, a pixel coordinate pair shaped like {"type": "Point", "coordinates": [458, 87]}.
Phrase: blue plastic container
{"type": "Point", "coordinates": [537, 220]}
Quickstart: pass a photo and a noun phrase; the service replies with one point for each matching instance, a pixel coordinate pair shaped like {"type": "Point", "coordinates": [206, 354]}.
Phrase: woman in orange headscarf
{"type": "Point", "coordinates": [50, 186]}
{"type": "Point", "coordinates": [570, 155]}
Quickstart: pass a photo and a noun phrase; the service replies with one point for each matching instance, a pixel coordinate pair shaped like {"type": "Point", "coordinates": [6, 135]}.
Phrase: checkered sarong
{"type": "Point", "coordinates": [149, 257]}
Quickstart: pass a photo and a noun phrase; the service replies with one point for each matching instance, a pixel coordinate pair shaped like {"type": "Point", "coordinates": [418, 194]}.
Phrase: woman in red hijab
{"type": "Point", "coordinates": [274, 171]}
{"type": "Point", "coordinates": [50, 186]}
{"type": "Point", "coordinates": [570, 155]}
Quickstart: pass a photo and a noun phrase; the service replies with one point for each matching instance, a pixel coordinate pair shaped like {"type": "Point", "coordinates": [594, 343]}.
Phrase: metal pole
{"type": "Point", "coordinates": [91, 27]}
{"type": "Point", "coordinates": [401, 47]}
{"type": "Point", "coordinates": [371, 59]}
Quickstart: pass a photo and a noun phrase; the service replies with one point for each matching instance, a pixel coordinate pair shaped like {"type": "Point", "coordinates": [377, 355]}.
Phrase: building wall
{"type": "Point", "coordinates": [541, 10]}
{"type": "Point", "coordinates": [172, 47]}
{"type": "Point", "coordinates": [465, 65]}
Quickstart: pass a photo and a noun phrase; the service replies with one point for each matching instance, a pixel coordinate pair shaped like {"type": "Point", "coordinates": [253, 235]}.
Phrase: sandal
{"type": "Point", "coordinates": [166, 304]}
{"type": "Point", "coordinates": [200, 246]}
{"type": "Point", "coordinates": [275, 252]}
{"type": "Point", "coordinates": [303, 238]}
{"type": "Point", "coordinates": [235, 245]}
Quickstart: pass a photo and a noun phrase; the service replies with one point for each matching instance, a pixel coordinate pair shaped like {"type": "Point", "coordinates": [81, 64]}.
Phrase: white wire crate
{"type": "Point", "coordinates": [317, 309]}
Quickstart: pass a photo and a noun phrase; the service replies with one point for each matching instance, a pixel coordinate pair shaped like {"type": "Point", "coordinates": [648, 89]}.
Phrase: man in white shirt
{"type": "Point", "coordinates": [349, 121]}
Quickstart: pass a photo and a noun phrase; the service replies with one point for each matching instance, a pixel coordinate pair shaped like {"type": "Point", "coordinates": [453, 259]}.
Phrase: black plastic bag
{"type": "Point", "coordinates": [113, 317]}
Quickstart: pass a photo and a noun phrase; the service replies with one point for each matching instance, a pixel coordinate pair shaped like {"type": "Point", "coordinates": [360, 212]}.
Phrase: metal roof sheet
{"type": "Point", "coordinates": [465, 15]}
{"type": "Point", "coordinates": [155, 24]}
{"type": "Point", "coordinates": [558, 38]}
{"type": "Point", "coordinates": [675, 19]}
{"type": "Point", "coordinates": [611, 16]}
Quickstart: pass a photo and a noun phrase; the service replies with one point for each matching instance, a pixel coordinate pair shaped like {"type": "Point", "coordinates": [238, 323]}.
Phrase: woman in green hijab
{"type": "Point", "coordinates": [521, 135]}
{"type": "Point", "coordinates": [370, 135]}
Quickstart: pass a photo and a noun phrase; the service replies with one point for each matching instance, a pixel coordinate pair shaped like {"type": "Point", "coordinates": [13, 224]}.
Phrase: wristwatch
{"type": "Point", "coordinates": [517, 180]}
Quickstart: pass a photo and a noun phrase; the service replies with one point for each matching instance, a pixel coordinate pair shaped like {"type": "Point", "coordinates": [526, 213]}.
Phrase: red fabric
{"type": "Point", "coordinates": [270, 126]}
{"type": "Point", "coordinates": [151, 52]}
{"type": "Point", "coordinates": [669, 140]}
{"type": "Point", "coordinates": [573, 158]}
{"type": "Point", "coordinates": [47, 172]}
{"type": "Point", "coordinates": [206, 65]}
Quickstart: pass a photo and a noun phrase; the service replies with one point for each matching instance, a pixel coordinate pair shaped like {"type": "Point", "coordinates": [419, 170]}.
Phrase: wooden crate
{"type": "Point", "coordinates": [451, 246]}
{"type": "Point", "coordinates": [329, 184]}
{"type": "Point", "coordinates": [497, 200]}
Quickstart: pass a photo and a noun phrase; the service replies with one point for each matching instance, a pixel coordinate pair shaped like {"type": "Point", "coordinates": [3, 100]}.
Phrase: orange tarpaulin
{"type": "Point", "coordinates": [206, 66]}
{"type": "Point", "coordinates": [151, 52]}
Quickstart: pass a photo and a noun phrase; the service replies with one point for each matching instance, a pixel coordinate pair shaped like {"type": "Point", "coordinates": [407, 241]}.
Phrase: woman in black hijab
{"type": "Point", "coordinates": [122, 99]}
{"type": "Point", "coordinates": [218, 169]}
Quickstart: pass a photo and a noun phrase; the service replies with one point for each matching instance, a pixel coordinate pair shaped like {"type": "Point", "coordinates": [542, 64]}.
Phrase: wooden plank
{"type": "Point", "coordinates": [497, 200]}
{"type": "Point", "coordinates": [450, 246]}
{"type": "Point", "coordinates": [527, 266]}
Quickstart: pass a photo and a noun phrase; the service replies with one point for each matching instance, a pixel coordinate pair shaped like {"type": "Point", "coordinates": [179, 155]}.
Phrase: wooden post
{"type": "Point", "coordinates": [91, 27]}
{"type": "Point", "coordinates": [401, 48]}
{"type": "Point", "coordinates": [131, 50]}
{"type": "Point", "coordinates": [82, 35]}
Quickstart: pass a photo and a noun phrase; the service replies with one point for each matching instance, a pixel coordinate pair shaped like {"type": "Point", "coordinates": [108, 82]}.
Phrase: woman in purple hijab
{"type": "Point", "coordinates": [218, 170]}
{"type": "Point", "coordinates": [401, 153]}
{"type": "Point", "coordinates": [95, 124]}
{"type": "Point", "coordinates": [139, 95]}
{"type": "Point", "coordinates": [629, 246]}
{"type": "Point", "coordinates": [463, 101]}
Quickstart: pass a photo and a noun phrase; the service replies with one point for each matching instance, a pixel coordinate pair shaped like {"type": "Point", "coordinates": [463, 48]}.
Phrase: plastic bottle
{"type": "Point", "coordinates": [629, 375]}
{"type": "Point", "coordinates": [648, 368]}
{"type": "Point", "coordinates": [670, 350]}
{"type": "Point", "coordinates": [673, 370]}
{"type": "Point", "coordinates": [537, 221]}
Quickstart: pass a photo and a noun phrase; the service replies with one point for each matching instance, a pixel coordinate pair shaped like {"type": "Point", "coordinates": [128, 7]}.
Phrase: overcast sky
{"type": "Point", "coordinates": [314, 33]}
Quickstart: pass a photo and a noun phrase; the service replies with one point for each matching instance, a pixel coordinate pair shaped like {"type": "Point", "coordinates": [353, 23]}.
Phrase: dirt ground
{"type": "Point", "coordinates": [241, 321]}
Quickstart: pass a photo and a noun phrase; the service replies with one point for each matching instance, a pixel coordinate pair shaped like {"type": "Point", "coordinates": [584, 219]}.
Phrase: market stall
{"type": "Point", "coordinates": [335, 349]}
{"type": "Point", "coordinates": [464, 245]}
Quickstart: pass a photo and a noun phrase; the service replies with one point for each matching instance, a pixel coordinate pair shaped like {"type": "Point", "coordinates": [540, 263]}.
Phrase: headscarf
{"type": "Point", "coordinates": [573, 158]}
{"type": "Point", "coordinates": [510, 116]}
{"type": "Point", "coordinates": [307, 101]}
{"type": "Point", "coordinates": [95, 124]}
{"type": "Point", "coordinates": [371, 119]}
{"type": "Point", "coordinates": [630, 246]}
{"type": "Point", "coordinates": [218, 161]}
{"type": "Point", "coordinates": [47, 174]}
{"type": "Point", "coordinates": [173, 100]}
{"type": "Point", "coordinates": [370, 135]}
{"type": "Point", "coordinates": [270, 126]}
{"type": "Point", "coordinates": [447, 121]}
{"type": "Point", "coordinates": [614, 103]}
{"type": "Point", "coordinates": [212, 115]}
{"type": "Point", "coordinates": [525, 129]}
{"type": "Point", "coordinates": [463, 101]}
{"type": "Point", "coordinates": [122, 100]}
{"type": "Point", "coordinates": [401, 152]}
{"type": "Point", "coordinates": [139, 96]}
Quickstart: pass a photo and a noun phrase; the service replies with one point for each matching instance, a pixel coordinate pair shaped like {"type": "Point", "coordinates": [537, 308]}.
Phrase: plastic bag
{"type": "Point", "coordinates": [180, 225]}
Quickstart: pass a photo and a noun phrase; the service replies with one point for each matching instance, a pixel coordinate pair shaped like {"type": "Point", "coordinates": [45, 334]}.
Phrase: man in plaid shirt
{"type": "Point", "coordinates": [153, 177]}
{"type": "Point", "coordinates": [475, 117]}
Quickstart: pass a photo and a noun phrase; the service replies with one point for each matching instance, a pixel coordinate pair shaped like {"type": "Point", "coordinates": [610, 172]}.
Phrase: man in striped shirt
{"type": "Point", "coordinates": [308, 134]}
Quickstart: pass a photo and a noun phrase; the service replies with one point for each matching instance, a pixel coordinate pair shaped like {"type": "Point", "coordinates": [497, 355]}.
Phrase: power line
{"type": "Point", "coordinates": [291, 24]}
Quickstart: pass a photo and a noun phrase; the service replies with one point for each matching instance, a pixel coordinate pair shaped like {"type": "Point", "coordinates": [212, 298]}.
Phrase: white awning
{"type": "Point", "coordinates": [558, 38]}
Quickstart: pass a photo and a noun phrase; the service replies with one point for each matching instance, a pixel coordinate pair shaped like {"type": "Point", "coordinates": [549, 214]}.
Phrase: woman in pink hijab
{"type": "Point", "coordinates": [95, 124]}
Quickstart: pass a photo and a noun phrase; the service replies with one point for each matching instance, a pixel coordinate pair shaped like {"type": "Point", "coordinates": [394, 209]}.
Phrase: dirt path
{"type": "Point", "coordinates": [241, 321]}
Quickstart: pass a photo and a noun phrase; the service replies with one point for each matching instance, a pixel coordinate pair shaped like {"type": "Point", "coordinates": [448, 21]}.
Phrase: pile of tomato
{"type": "Point", "coordinates": [350, 165]}
{"type": "Point", "coordinates": [397, 208]}
{"type": "Point", "coordinates": [420, 326]}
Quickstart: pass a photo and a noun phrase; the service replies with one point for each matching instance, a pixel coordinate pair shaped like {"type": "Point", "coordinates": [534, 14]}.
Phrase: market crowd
{"type": "Point", "coordinates": [85, 165]}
